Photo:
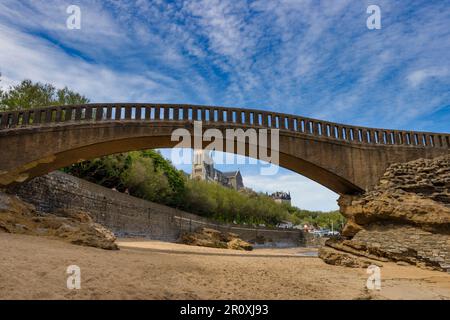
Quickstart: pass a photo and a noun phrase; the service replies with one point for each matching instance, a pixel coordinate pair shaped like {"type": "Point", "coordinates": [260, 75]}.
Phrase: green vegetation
{"type": "Point", "coordinates": [147, 175]}
{"type": "Point", "coordinates": [144, 174]}
{"type": "Point", "coordinates": [327, 220]}
{"type": "Point", "coordinates": [28, 95]}
{"type": "Point", "coordinates": [228, 205]}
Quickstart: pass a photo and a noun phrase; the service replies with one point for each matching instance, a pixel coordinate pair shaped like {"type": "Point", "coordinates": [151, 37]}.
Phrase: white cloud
{"type": "Point", "coordinates": [417, 77]}
{"type": "Point", "coordinates": [222, 22]}
{"type": "Point", "coordinates": [27, 57]}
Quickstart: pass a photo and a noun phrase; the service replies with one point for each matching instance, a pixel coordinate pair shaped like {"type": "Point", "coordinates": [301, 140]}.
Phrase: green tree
{"type": "Point", "coordinates": [145, 181]}
{"type": "Point", "coordinates": [29, 94]}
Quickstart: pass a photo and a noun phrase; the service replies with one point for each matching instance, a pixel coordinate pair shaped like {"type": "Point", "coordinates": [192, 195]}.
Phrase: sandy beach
{"type": "Point", "coordinates": [35, 268]}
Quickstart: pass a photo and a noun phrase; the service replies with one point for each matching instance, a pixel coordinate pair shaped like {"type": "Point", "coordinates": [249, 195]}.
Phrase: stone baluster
{"type": "Point", "coordinates": [26, 118]}
{"type": "Point", "coordinates": [14, 119]}
{"type": "Point", "coordinates": [403, 138]}
{"type": "Point", "coordinates": [48, 115]}
{"type": "Point", "coordinates": [166, 113]}
{"type": "Point", "coordinates": [107, 113]}
{"type": "Point", "coordinates": [220, 115]}
{"type": "Point", "coordinates": [265, 119]}
{"type": "Point", "coordinates": [88, 113]}
{"type": "Point", "coordinates": [147, 112]}
{"type": "Point", "coordinates": [249, 117]}
{"type": "Point", "coordinates": [286, 122]}
{"type": "Point", "coordinates": [137, 112]}
{"type": "Point", "coordinates": [78, 113]}
{"type": "Point", "coordinates": [423, 140]}
{"type": "Point", "coordinates": [365, 136]}
{"type": "Point", "coordinates": [59, 114]}
{"type": "Point", "coordinates": [318, 128]}
{"type": "Point", "coordinates": [176, 113]}
{"type": "Point", "coordinates": [229, 116]}
{"type": "Point", "coordinates": [99, 113]}
{"type": "Point", "coordinates": [157, 109]}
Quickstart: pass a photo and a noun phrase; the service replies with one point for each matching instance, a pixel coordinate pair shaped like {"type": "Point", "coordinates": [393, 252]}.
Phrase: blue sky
{"type": "Point", "coordinates": [312, 58]}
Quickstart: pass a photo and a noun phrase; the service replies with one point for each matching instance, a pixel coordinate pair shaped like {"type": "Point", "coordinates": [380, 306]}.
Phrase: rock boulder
{"type": "Point", "coordinates": [77, 227]}
{"type": "Point", "coordinates": [405, 218]}
{"type": "Point", "coordinates": [207, 237]}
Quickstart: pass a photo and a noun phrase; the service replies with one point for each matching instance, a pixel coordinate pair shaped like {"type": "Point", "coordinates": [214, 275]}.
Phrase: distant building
{"type": "Point", "coordinates": [281, 197]}
{"type": "Point", "coordinates": [203, 169]}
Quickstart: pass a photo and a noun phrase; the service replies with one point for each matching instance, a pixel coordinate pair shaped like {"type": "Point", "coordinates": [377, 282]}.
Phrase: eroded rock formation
{"type": "Point", "coordinates": [406, 217]}
{"type": "Point", "coordinates": [206, 237]}
{"type": "Point", "coordinates": [77, 227]}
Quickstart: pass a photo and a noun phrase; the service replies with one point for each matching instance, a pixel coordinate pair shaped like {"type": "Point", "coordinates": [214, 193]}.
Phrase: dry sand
{"type": "Point", "coordinates": [35, 268]}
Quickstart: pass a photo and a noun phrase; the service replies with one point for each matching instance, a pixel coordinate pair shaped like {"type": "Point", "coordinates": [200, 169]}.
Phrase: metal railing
{"type": "Point", "coordinates": [222, 115]}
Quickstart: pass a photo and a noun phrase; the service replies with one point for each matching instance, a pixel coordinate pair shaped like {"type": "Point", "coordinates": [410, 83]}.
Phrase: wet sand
{"type": "Point", "coordinates": [35, 268]}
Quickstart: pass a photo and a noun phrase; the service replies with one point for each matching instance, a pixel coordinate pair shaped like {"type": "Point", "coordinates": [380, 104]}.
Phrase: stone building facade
{"type": "Point", "coordinates": [203, 169]}
{"type": "Point", "coordinates": [281, 197]}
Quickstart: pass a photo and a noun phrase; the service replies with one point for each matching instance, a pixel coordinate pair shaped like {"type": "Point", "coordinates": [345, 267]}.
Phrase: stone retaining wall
{"type": "Point", "coordinates": [129, 216]}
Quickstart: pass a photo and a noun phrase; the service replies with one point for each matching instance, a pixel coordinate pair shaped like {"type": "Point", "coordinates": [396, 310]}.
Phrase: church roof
{"type": "Point", "coordinates": [229, 174]}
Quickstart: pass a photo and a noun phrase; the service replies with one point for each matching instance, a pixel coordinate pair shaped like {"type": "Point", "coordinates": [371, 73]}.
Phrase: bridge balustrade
{"type": "Point", "coordinates": [220, 115]}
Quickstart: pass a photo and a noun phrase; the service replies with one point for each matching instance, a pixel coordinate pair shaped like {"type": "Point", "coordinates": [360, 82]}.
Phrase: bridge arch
{"type": "Point", "coordinates": [343, 158]}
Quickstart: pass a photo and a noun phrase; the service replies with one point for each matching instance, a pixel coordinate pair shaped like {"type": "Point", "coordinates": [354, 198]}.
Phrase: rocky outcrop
{"type": "Point", "coordinates": [206, 237]}
{"type": "Point", "coordinates": [416, 193]}
{"type": "Point", "coordinates": [345, 259]}
{"type": "Point", "coordinates": [406, 217]}
{"type": "Point", "coordinates": [77, 227]}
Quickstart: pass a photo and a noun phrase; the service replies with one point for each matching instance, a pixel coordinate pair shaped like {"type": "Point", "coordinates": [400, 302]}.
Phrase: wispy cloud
{"type": "Point", "coordinates": [417, 77]}
{"type": "Point", "coordinates": [308, 57]}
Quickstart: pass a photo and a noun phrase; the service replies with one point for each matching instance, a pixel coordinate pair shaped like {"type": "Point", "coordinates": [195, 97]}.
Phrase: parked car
{"type": "Point", "coordinates": [320, 233]}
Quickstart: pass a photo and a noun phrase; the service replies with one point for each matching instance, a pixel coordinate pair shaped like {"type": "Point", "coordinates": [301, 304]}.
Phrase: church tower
{"type": "Point", "coordinates": [203, 169]}
{"type": "Point", "coordinates": [202, 166]}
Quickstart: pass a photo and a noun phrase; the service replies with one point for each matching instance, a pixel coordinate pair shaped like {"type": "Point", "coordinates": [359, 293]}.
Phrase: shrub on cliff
{"type": "Point", "coordinates": [144, 174]}
{"type": "Point", "coordinates": [224, 204]}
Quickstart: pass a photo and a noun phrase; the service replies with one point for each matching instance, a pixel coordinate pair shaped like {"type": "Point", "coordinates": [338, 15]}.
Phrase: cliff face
{"type": "Point", "coordinates": [74, 226]}
{"type": "Point", "coordinates": [405, 218]}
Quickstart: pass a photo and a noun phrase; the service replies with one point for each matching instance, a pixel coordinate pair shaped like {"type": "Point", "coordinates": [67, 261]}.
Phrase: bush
{"type": "Point", "coordinates": [144, 174]}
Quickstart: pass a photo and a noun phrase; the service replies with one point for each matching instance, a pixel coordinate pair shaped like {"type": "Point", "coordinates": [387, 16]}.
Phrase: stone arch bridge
{"type": "Point", "coordinates": [344, 158]}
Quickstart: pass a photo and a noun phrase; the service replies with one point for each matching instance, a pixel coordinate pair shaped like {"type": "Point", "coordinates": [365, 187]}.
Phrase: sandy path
{"type": "Point", "coordinates": [35, 268]}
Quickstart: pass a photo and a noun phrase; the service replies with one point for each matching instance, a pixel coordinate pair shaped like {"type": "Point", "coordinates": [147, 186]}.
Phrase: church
{"type": "Point", "coordinates": [203, 169]}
